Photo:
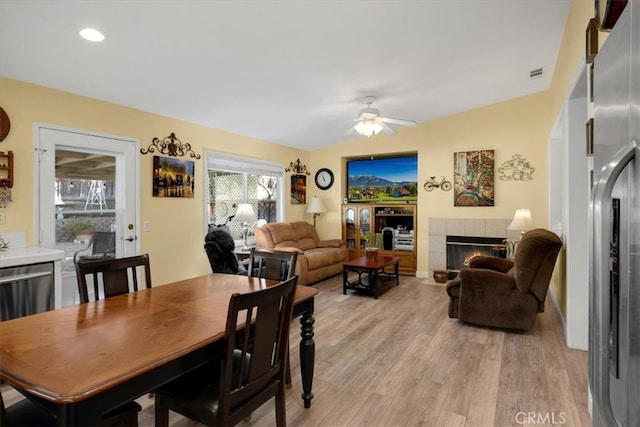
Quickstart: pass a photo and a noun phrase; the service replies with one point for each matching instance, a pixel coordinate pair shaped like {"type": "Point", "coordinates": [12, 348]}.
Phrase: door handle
{"type": "Point", "coordinates": [131, 238]}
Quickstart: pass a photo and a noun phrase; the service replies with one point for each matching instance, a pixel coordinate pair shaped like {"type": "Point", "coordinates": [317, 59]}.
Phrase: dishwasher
{"type": "Point", "coordinates": [26, 289]}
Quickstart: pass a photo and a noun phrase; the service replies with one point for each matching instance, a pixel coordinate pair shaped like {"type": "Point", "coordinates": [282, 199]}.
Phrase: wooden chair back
{"type": "Point", "coordinates": [112, 276]}
{"type": "Point", "coordinates": [272, 264]}
{"type": "Point", "coordinates": [255, 358]}
{"type": "Point", "coordinates": [251, 369]}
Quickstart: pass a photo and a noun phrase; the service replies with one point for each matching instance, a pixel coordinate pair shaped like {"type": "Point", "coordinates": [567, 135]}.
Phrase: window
{"type": "Point", "coordinates": [233, 180]}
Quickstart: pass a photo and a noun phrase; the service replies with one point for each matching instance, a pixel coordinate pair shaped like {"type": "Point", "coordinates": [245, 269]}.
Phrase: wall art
{"type": "Point", "coordinates": [173, 177]}
{"type": "Point", "coordinates": [298, 189]}
{"type": "Point", "coordinates": [473, 178]}
{"type": "Point", "coordinates": [516, 169]}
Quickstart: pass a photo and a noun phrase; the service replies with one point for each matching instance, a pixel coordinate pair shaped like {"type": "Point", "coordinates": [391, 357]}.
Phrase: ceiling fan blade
{"type": "Point", "coordinates": [398, 121]}
{"type": "Point", "coordinates": [386, 129]}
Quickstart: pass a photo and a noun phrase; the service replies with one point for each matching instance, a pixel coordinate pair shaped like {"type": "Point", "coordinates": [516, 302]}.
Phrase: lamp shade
{"type": "Point", "coordinates": [245, 212]}
{"type": "Point", "coordinates": [368, 127]}
{"type": "Point", "coordinates": [521, 220]}
{"type": "Point", "coordinates": [315, 206]}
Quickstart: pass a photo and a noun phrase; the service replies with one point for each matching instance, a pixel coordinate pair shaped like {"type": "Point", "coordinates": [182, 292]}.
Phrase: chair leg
{"type": "Point", "coordinates": [161, 413]}
{"type": "Point", "coordinates": [281, 414]}
{"type": "Point", "coordinates": [131, 420]}
{"type": "Point", "coordinates": [288, 379]}
{"type": "Point", "coordinates": [288, 367]}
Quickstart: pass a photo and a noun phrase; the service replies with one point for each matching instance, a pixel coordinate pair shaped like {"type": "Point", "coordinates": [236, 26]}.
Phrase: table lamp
{"type": "Point", "coordinates": [245, 213]}
{"type": "Point", "coordinates": [521, 221]}
{"type": "Point", "coordinates": [315, 207]}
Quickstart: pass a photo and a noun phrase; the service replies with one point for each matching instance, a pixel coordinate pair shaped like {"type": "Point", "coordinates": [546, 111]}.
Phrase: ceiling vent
{"type": "Point", "coordinates": [534, 74]}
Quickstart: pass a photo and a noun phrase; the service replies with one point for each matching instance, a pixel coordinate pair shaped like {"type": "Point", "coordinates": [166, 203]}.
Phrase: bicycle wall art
{"type": "Point", "coordinates": [473, 178]}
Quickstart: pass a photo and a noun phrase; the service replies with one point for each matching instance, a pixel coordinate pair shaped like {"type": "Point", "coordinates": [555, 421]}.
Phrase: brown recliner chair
{"type": "Point", "coordinates": [502, 293]}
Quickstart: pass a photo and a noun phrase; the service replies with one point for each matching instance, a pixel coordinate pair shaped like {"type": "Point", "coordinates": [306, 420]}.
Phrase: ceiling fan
{"type": "Point", "coordinates": [371, 123]}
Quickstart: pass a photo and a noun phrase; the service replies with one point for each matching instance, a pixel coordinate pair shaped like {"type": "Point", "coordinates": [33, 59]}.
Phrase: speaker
{"type": "Point", "coordinates": [387, 238]}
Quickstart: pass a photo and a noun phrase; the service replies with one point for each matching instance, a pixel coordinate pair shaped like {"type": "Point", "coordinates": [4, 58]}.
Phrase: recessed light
{"type": "Point", "coordinates": [92, 35]}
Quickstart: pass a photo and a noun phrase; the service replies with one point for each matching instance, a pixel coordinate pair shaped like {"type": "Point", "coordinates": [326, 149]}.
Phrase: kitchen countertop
{"type": "Point", "coordinates": [33, 255]}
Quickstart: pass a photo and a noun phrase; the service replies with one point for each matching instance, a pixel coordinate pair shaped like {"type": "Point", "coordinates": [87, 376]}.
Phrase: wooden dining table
{"type": "Point", "coordinates": [80, 361]}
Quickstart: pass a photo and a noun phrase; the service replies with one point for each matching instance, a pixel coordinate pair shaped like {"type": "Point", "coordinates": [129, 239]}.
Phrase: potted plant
{"type": "Point", "coordinates": [81, 227]}
{"type": "Point", "coordinates": [370, 250]}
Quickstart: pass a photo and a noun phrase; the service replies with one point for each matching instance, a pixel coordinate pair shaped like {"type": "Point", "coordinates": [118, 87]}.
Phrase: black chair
{"type": "Point", "coordinates": [101, 245]}
{"type": "Point", "coordinates": [277, 265]}
{"type": "Point", "coordinates": [117, 276]}
{"type": "Point", "coordinates": [250, 371]}
{"type": "Point", "coordinates": [28, 413]}
{"type": "Point", "coordinates": [219, 245]}
{"type": "Point", "coordinates": [272, 264]}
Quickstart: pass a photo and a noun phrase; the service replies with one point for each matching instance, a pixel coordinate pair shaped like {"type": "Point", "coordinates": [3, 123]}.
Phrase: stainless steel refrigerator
{"type": "Point", "coordinates": [614, 305]}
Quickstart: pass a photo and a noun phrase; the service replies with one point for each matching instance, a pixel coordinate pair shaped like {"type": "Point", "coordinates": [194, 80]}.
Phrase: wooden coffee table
{"type": "Point", "coordinates": [373, 277]}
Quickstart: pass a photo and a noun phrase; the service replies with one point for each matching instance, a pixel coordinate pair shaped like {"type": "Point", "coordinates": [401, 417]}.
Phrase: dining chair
{"type": "Point", "coordinates": [250, 370]}
{"type": "Point", "coordinates": [117, 276]}
{"type": "Point", "coordinates": [102, 245]}
{"type": "Point", "coordinates": [277, 265]}
{"type": "Point", "coordinates": [272, 264]}
{"type": "Point", "coordinates": [28, 413]}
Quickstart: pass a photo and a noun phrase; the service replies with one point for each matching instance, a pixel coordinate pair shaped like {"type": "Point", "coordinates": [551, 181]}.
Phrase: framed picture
{"type": "Point", "coordinates": [298, 189]}
{"type": "Point", "coordinates": [589, 132]}
{"type": "Point", "coordinates": [591, 41]}
{"type": "Point", "coordinates": [473, 178]}
{"type": "Point", "coordinates": [173, 177]}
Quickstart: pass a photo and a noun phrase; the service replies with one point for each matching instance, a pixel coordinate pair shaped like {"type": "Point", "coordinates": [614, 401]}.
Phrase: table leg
{"type": "Point", "coordinates": [396, 272]}
{"type": "Point", "coordinates": [307, 353]}
{"type": "Point", "coordinates": [373, 281]}
{"type": "Point", "coordinates": [345, 275]}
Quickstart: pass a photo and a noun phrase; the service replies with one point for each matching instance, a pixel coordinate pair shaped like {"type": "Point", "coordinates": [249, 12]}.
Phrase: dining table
{"type": "Point", "coordinates": [82, 360]}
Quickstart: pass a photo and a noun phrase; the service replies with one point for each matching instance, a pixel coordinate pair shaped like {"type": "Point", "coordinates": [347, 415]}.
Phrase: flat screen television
{"type": "Point", "coordinates": [383, 179]}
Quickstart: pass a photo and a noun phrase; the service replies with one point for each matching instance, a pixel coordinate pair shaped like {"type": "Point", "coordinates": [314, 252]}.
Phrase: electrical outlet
{"type": "Point", "coordinates": [3, 216]}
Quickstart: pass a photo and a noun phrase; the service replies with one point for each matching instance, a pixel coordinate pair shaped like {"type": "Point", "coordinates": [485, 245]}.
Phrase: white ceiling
{"type": "Point", "coordinates": [289, 72]}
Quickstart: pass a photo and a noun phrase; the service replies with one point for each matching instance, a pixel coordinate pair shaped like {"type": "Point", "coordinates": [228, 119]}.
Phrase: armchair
{"type": "Point", "coordinates": [502, 293]}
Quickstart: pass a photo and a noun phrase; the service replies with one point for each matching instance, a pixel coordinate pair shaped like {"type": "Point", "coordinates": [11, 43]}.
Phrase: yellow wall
{"type": "Point", "coordinates": [518, 126]}
{"type": "Point", "coordinates": [175, 242]}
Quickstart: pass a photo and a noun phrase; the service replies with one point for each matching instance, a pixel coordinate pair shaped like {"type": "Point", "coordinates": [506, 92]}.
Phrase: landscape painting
{"type": "Point", "coordinates": [473, 178]}
{"type": "Point", "coordinates": [385, 179]}
{"type": "Point", "coordinates": [173, 177]}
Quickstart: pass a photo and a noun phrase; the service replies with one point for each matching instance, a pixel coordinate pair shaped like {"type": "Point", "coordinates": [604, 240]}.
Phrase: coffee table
{"type": "Point", "coordinates": [373, 276]}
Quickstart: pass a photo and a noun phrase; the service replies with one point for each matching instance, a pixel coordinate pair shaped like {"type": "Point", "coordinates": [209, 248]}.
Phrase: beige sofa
{"type": "Point", "coordinates": [317, 259]}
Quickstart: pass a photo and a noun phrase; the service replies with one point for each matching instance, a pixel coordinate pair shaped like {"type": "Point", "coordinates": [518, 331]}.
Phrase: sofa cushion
{"type": "Point", "coordinates": [331, 243]}
{"type": "Point", "coordinates": [282, 235]}
{"type": "Point", "coordinates": [306, 235]}
{"type": "Point", "coordinates": [317, 258]}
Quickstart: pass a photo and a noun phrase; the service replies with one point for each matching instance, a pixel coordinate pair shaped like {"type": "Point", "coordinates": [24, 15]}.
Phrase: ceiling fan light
{"type": "Point", "coordinates": [368, 128]}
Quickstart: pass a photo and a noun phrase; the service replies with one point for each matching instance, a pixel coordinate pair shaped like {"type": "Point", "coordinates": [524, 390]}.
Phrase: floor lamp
{"type": "Point", "coordinates": [245, 213]}
{"type": "Point", "coordinates": [315, 207]}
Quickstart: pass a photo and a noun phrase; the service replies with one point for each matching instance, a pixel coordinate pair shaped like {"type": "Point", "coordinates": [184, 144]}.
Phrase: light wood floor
{"type": "Point", "coordinates": [400, 361]}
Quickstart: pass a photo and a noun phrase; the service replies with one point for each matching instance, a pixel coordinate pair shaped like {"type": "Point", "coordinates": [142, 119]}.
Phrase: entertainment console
{"type": "Point", "coordinates": [390, 227]}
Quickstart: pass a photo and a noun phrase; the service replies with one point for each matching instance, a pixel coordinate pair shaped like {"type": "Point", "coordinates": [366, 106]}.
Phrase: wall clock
{"type": "Point", "coordinates": [324, 179]}
{"type": "Point", "coordinates": [608, 12]}
{"type": "Point", "coordinates": [5, 125]}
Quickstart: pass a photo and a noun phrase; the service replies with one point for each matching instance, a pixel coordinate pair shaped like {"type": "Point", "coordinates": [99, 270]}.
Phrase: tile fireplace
{"type": "Point", "coordinates": [440, 228]}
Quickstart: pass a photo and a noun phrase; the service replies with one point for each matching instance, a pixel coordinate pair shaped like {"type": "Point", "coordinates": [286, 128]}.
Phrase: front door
{"type": "Point", "coordinates": [86, 182]}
